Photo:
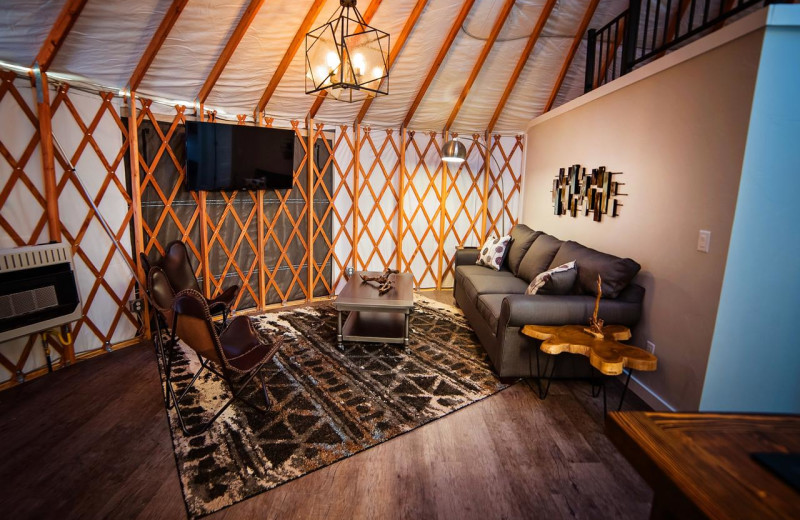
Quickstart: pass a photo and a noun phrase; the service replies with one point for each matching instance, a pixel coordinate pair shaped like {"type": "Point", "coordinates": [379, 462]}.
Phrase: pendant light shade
{"type": "Point", "coordinates": [347, 58]}
{"type": "Point", "coordinates": [454, 151]}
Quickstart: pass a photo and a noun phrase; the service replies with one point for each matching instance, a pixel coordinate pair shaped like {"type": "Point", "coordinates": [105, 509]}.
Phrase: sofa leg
{"type": "Point", "coordinates": [509, 380]}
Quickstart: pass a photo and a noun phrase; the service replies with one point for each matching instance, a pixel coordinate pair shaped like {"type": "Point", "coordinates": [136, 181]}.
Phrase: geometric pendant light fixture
{"type": "Point", "coordinates": [347, 58]}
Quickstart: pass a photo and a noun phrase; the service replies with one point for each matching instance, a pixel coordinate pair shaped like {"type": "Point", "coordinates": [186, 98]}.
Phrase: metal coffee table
{"type": "Point", "coordinates": [374, 318]}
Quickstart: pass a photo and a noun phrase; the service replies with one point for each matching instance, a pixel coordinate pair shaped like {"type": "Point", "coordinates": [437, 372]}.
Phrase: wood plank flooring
{"type": "Point", "coordinates": [92, 441]}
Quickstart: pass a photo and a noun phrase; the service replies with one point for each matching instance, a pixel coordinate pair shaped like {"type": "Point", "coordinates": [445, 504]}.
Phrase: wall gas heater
{"type": "Point", "coordinates": [38, 290]}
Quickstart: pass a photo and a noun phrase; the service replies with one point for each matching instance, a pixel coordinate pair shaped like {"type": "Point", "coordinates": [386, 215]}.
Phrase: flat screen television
{"type": "Point", "coordinates": [222, 156]}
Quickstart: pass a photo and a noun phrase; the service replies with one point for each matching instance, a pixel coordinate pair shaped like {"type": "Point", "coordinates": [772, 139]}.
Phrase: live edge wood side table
{"type": "Point", "coordinates": [701, 465]}
{"type": "Point", "coordinates": [375, 318]}
{"type": "Point", "coordinates": [607, 355]}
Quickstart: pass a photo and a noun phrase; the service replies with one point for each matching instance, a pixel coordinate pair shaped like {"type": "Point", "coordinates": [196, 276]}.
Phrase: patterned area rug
{"type": "Point", "coordinates": [328, 404]}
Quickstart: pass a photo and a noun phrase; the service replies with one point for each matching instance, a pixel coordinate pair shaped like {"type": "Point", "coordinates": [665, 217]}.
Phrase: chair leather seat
{"type": "Point", "coordinates": [224, 299]}
{"type": "Point", "coordinates": [242, 347]}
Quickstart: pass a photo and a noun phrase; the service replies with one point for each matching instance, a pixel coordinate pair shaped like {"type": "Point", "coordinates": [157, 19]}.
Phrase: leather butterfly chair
{"type": "Point", "coordinates": [175, 263]}
{"type": "Point", "coordinates": [236, 353]}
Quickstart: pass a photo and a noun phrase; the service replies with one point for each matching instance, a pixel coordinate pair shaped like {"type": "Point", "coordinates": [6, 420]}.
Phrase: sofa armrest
{"type": "Point", "coordinates": [466, 256]}
{"type": "Point", "coordinates": [518, 310]}
{"type": "Point", "coordinates": [632, 293]}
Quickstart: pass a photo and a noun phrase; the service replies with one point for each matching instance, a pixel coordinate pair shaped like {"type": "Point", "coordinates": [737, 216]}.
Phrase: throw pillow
{"type": "Point", "coordinates": [616, 272]}
{"type": "Point", "coordinates": [558, 280]}
{"type": "Point", "coordinates": [493, 252]}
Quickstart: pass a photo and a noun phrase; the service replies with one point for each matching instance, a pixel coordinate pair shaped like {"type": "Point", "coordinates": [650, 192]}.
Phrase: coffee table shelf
{"type": "Point", "coordinates": [375, 327]}
{"type": "Point", "coordinates": [375, 318]}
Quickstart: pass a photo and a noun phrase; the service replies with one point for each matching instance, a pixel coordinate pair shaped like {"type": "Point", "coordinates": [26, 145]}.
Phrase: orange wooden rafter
{"type": "Point", "coordinates": [289, 55]}
{"type": "Point", "coordinates": [587, 17]}
{"type": "Point", "coordinates": [448, 42]}
{"type": "Point", "coordinates": [396, 48]}
{"type": "Point", "coordinates": [61, 28]}
{"type": "Point", "coordinates": [238, 33]}
{"type": "Point", "coordinates": [171, 16]}
{"type": "Point", "coordinates": [368, 14]}
{"type": "Point", "coordinates": [487, 47]}
{"type": "Point", "coordinates": [523, 59]}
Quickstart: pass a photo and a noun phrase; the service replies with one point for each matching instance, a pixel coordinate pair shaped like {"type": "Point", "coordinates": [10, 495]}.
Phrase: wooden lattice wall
{"type": "Point", "coordinates": [95, 140]}
{"type": "Point", "coordinates": [372, 198]}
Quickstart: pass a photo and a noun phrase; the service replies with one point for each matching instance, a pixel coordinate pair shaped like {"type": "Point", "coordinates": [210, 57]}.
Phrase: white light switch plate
{"type": "Point", "coordinates": [704, 240]}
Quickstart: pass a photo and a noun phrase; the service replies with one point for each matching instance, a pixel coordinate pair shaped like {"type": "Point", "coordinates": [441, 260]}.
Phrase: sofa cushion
{"type": "Point", "coordinates": [539, 256]}
{"type": "Point", "coordinates": [521, 239]}
{"type": "Point", "coordinates": [489, 306]}
{"type": "Point", "coordinates": [466, 271]}
{"type": "Point", "coordinates": [470, 270]}
{"type": "Point", "coordinates": [502, 282]}
{"type": "Point", "coordinates": [616, 272]}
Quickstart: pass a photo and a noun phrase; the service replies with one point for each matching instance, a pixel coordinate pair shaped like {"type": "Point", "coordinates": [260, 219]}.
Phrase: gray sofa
{"type": "Point", "coordinates": [496, 306]}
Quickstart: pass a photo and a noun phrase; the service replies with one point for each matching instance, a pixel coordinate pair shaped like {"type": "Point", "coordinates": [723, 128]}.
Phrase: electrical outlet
{"type": "Point", "coordinates": [704, 240]}
{"type": "Point", "coordinates": [651, 347]}
{"type": "Point", "coordinates": [136, 305]}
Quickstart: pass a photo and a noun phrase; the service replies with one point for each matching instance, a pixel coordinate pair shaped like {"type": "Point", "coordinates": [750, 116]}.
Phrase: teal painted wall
{"type": "Point", "coordinates": [754, 363]}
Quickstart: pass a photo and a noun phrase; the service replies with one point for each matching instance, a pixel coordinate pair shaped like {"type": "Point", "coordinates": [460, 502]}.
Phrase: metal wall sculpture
{"type": "Point", "coordinates": [576, 192]}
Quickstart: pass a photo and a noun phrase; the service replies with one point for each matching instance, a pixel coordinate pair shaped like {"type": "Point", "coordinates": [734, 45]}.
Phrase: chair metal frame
{"type": "Point", "coordinates": [167, 340]}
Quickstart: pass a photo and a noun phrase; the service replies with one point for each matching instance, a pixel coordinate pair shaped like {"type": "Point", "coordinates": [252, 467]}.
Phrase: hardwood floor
{"type": "Point", "coordinates": [92, 441]}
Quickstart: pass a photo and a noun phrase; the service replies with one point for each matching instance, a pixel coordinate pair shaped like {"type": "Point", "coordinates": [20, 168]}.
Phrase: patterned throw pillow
{"type": "Point", "coordinates": [493, 252]}
{"type": "Point", "coordinates": [541, 279]}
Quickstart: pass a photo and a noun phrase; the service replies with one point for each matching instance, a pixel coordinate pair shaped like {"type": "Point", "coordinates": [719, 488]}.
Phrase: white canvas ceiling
{"type": "Point", "coordinates": [110, 36]}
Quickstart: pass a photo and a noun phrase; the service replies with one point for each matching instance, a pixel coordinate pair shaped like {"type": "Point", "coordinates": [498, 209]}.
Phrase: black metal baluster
{"type": "Point", "coordinates": [646, 27]}
{"type": "Point", "coordinates": [655, 25]}
{"type": "Point", "coordinates": [691, 18]}
{"type": "Point", "coordinates": [631, 36]}
{"type": "Point", "coordinates": [706, 9]}
{"type": "Point", "coordinates": [666, 23]}
{"type": "Point", "coordinates": [614, 50]}
{"type": "Point", "coordinates": [588, 81]}
{"type": "Point", "coordinates": [600, 58]}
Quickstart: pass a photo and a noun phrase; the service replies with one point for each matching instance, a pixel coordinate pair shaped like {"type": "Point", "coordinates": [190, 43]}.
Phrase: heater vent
{"type": "Point", "coordinates": [26, 302]}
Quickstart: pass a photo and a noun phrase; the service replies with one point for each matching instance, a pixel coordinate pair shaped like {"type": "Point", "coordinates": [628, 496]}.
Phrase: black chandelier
{"type": "Point", "coordinates": [347, 58]}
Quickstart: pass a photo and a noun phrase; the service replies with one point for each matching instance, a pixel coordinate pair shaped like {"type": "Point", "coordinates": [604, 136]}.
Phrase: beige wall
{"type": "Point", "coordinates": [678, 136]}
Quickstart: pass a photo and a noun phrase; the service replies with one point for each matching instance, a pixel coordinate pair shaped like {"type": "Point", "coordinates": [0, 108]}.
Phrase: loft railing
{"type": "Point", "coordinates": [658, 26]}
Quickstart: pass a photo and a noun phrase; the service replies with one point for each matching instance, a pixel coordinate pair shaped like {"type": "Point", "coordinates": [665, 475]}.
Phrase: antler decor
{"type": "Point", "coordinates": [384, 283]}
{"type": "Point", "coordinates": [595, 323]}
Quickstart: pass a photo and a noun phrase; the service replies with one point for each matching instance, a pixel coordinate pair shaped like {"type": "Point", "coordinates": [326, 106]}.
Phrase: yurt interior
{"type": "Point", "coordinates": [399, 259]}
